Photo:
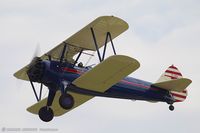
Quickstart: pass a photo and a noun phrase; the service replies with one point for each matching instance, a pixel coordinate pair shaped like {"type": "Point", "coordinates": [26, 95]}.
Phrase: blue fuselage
{"type": "Point", "coordinates": [127, 88]}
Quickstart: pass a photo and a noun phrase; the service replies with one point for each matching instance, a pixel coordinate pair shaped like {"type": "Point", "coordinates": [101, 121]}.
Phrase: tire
{"type": "Point", "coordinates": [66, 101]}
{"type": "Point", "coordinates": [46, 114]}
{"type": "Point", "coordinates": [171, 107]}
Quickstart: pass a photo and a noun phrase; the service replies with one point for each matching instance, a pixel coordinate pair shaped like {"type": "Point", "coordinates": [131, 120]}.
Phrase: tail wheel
{"type": "Point", "coordinates": [171, 107]}
{"type": "Point", "coordinates": [46, 114]}
{"type": "Point", "coordinates": [66, 101]}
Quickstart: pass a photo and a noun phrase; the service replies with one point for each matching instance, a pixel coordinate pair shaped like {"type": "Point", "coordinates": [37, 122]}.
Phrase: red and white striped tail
{"type": "Point", "coordinates": [170, 74]}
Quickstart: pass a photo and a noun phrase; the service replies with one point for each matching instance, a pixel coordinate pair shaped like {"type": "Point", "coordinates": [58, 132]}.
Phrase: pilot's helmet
{"type": "Point", "coordinates": [80, 64]}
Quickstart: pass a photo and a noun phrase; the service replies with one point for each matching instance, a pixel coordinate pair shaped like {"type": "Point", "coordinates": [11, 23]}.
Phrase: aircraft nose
{"type": "Point", "coordinates": [36, 71]}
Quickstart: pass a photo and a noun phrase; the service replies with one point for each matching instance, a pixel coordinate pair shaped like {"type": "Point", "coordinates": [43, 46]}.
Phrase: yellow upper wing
{"type": "Point", "coordinates": [83, 40]}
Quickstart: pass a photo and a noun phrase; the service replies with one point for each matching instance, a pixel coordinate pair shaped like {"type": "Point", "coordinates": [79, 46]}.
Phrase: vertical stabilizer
{"type": "Point", "coordinates": [170, 74]}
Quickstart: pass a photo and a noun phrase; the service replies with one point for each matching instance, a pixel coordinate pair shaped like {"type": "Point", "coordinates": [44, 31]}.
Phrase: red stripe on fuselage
{"type": "Point", "coordinates": [71, 70]}
{"type": "Point", "coordinates": [127, 82]}
{"type": "Point", "coordinates": [139, 85]}
{"type": "Point", "coordinates": [134, 84]}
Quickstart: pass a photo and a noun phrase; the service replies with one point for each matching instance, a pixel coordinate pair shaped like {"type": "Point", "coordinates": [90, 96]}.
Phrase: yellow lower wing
{"type": "Point", "coordinates": [78, 99]}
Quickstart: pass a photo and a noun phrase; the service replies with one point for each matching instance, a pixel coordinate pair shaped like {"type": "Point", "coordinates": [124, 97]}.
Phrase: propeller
{"type": "Point", "coordinates": [33, 72]}
{"type": "Point", "coordinates": [35, 57]}
{"type": "Point", "coordinates": [36, 67]}
{"type": "Point", "coordinates": [23, 73]}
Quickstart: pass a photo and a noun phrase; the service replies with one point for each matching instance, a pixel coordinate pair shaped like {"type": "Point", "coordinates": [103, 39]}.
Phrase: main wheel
{"type": "Point", "coordinates": [171, 107]}
{"type": "Point", "coordinates": [66, 101]}
{"type": "Point", "coordinates": [46, 114]}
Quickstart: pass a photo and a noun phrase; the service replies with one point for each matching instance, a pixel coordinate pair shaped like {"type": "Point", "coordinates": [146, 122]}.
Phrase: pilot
{"type": "Point", "coordinates": [80, 64]}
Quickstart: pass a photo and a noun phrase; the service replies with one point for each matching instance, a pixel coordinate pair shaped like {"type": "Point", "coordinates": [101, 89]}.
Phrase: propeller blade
{"type": "Point", "coordinates": [37, 51]}
{"type": "Point", "coordinates": [35, 58]}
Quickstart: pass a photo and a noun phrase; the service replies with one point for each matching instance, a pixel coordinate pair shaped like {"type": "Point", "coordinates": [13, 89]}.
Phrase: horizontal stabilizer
{"type": "Point", "coordinates": [107, 73]}
{"type": "Point", "coordinates": [174, 85]}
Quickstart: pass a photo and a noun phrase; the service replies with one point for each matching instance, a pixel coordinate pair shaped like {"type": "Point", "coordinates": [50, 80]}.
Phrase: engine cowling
{"type": "Point", "coordinates": [36, 70]}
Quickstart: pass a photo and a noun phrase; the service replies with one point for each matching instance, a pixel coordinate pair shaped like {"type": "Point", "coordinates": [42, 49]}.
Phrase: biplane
{"type": "Point", "coordinates": [70, 84]}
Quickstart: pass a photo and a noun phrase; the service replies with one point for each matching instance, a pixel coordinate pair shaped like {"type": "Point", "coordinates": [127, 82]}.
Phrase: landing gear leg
{"type": "Point", "coordinates": [66, 100]}
{"type": "Point", "coordinates": [46, 113]}
{"type": "Point", "coordinates": [171, 107]}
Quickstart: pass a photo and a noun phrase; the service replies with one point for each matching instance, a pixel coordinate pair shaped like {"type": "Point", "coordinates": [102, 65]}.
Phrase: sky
{"type": "Point", "coordinates": [161, 33]}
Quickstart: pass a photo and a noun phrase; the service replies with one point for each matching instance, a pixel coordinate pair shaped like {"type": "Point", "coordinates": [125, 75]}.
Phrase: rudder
{"type": "Point", "coordinates": [173, 73]}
